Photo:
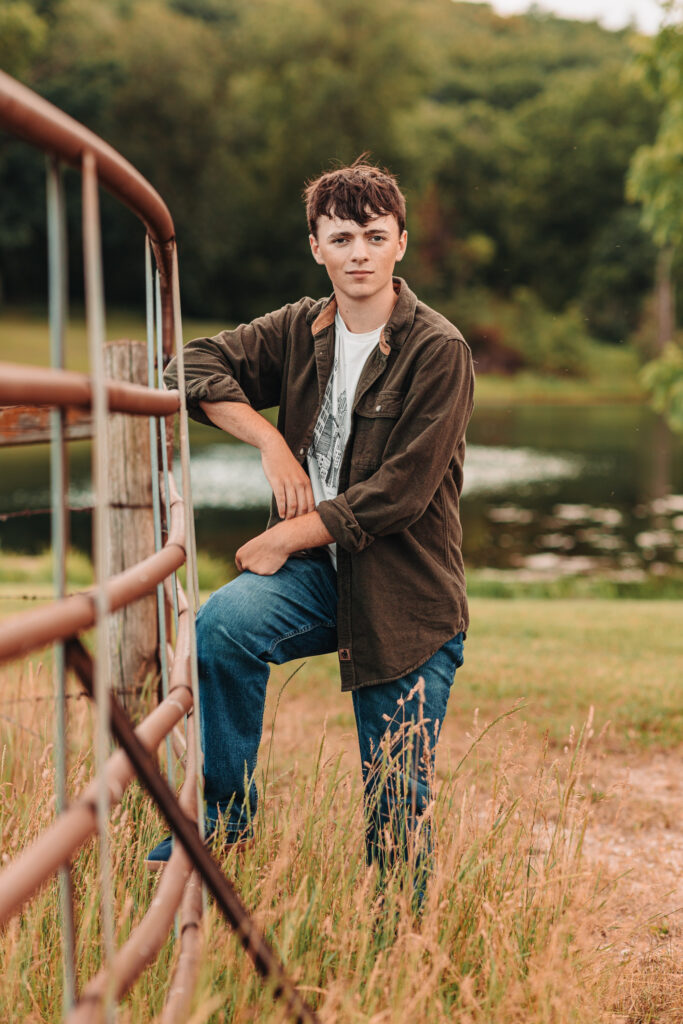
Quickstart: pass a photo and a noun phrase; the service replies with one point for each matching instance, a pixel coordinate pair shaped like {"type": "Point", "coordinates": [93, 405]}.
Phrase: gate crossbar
{"type": "Point", "coordinates": [69, 616]}
{"type": "Point", "coordinates": [39, 386]}
{"type": "Point", "coordinates": [147, 938]}
{"type": "Point", "coordinates": [39, 122]}
{"type": "Point", "coordinates": [32, 118]}
{"type": "Point", "coordinates": [58, 843]}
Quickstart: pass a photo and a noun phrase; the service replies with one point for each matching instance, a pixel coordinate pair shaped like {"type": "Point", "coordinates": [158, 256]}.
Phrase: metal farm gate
{"type": "Point", "coordinates": [24, 391]}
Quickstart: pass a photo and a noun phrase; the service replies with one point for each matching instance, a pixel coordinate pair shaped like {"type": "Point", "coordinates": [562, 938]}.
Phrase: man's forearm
{"type": "Point", "coordinates": [243, 422]}
{"type": "Point", "coordinates": [307, 531]}
{"type": "Point", "coordinates": [289, 480]}
{"type": "Point", "coordinates": [269, 551]}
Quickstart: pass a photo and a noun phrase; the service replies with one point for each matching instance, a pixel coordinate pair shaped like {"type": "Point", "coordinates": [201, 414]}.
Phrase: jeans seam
{"type": "Point", "coordinates": [299, 632]}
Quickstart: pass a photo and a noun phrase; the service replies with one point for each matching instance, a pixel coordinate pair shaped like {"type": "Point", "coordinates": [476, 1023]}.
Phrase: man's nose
{"type": "Point", "coordinates": [359, 251]}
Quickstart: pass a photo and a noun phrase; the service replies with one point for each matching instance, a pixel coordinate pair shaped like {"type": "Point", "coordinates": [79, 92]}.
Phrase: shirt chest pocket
{"type": "Point", "coordinates": [375, 418]}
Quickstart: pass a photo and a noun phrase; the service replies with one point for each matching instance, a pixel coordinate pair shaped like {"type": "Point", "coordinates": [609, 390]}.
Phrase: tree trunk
{"type": "Point", "coordinates": [666, 316]}
{"type": "Point", "coordinates": [133, 631]}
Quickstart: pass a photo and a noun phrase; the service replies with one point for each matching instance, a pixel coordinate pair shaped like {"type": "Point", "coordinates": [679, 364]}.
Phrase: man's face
{"type": "Point", "coordinates": [359, 258]}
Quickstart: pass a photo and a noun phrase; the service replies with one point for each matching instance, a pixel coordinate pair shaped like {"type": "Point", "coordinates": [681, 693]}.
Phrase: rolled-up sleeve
{"type": "Point", "coordinates": [426, 438]}
{"type": "Point", "coordinates": [243, 365]}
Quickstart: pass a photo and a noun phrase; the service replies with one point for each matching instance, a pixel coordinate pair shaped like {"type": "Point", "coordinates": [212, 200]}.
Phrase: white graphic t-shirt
{"type": "Point", "coordinates": [334, 422]}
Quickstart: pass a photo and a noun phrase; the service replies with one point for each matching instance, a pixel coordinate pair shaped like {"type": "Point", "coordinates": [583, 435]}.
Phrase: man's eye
{"type": "Point", "coordinates": [378, 238]}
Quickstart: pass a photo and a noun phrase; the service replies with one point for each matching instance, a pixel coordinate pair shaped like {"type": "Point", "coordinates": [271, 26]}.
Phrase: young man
{"type": "Point", "coordinates": [362, 551]}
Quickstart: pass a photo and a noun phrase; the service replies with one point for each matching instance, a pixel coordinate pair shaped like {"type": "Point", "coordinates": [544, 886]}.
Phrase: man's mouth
{"type": "Point", "coordinates": [359, 273]}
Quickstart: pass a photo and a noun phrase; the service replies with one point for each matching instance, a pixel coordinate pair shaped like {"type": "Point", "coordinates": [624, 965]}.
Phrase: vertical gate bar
{"type": "Point", "coordinates": [162, 424]}
{"type": "Point", "coordinates": [57, 303]}
{"type": "Point", "coordinates": [94, 310]}
{"type": "Point", "coordinates": [190, 545]}
{"type": "Point", "coordinates": [156, 497]}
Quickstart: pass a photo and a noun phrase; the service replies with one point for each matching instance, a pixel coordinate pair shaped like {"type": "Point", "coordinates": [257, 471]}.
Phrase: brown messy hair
{"type": "Point", "coordinates": [358, 192]}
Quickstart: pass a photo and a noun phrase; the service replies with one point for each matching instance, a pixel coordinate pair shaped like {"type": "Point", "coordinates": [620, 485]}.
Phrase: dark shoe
{"type": "Point", "coordinates": [159, 857]}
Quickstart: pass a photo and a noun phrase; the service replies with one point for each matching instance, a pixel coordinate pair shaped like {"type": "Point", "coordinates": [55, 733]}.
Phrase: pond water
{"type": "Point", "coordinates": [548, 491]}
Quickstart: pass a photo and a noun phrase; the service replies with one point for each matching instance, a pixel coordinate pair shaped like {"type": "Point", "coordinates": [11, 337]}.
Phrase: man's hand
{"type": "Point", "coordinates": [268, 552]}
{"type": "Point", "coordinates": [289, 481]}
{"type": "Point", "coordinates": [264, 554]}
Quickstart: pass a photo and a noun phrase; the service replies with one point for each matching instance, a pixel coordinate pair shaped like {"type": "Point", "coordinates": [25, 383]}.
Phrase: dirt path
{"type": "Point", "coordinates": [638, 828]}
{"type": "Point", "coordinates": [636, 833]}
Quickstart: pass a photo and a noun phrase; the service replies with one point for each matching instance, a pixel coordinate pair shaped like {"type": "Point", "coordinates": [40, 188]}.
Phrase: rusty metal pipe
{"type": "Point", "coordinates": [145, 941]}
{"type": "Point", "coordinates": [184, 980]}
{"type": "Point", "coordinates": [71, 615]}
{"type": "Point", "coordinates": [30, 117]}
{"type": "Point", "coordinates": [26, 114]}
{"type": "Point", "coordinates": [58, 843]}
{"type": "Point", "coordinates": [186, 973]}
{"type": "Point", "coordinates": [185, 830]}
{"type": "Point", "coordinates": [40, 386]}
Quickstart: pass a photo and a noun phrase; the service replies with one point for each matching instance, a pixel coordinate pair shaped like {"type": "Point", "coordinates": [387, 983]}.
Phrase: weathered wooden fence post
{"type": "Point", "coordinates": [133, 632]}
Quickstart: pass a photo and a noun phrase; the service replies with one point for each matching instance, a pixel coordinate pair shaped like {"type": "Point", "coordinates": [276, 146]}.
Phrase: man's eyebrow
{"type": "Point", "coordinates": [368, 231]}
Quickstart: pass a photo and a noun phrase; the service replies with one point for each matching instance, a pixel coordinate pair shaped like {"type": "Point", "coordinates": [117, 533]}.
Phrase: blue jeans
{"type": "Point", "coordinates": [256, 620]}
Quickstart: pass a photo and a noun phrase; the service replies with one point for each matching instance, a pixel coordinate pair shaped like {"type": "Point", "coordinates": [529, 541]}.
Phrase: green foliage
{"type": "Point", "coordinates": [496, 126]}
{"type": "Point", "coordinates": [654, 178]}
{"type": "Point", "coordinates": [664, 378]}
{"type": "Point", "coordinates": [569, 182]}
{"type": "Point", "coordinates": [549, 342]}
{"type": "Point", "coordinates": [506, 585]}
{"type": "Point", "coordinates": [22, 36]}
{"type": "Point", "coordinates": [37, 570]}
{"type": "Point", "coordinates": [619, 270]}
{"type": "Point", "coordinates": [515, 129]}
{"type": "Point", "coordinates": [523, 334]}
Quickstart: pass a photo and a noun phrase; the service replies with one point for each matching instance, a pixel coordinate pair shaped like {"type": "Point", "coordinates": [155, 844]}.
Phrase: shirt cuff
{"type": "Point", "coordinates": [217, 388]}
{"type": "Point", "coordinates": [337, 516]}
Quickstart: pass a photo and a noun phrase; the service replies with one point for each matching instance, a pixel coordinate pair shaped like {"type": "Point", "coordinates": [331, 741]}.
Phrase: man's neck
{"type": "Point", "coordinates": [364, 315]}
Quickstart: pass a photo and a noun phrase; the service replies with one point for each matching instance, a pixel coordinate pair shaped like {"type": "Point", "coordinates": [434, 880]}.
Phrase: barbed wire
{"type": "Point", "coordinates": [41, 697]}
{"type": "Point", "coordinates": [40, 597]}
{"type": "Point", "coordinates": [25, 512]}
{"type": "Point", "coordinates": [20, 725]}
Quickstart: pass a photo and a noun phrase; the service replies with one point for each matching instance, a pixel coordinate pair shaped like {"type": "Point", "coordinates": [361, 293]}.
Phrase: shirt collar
{"type": "Point", "coordinates": [321, 316]}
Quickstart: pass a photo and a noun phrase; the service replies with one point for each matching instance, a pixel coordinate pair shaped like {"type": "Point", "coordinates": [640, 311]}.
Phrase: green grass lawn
{"type": "Point", "coordinates": [613, 377]}
{"type": "Point", "coordinates": [560, 657]}
{"type": "Point", "coordinates": [24, 336]}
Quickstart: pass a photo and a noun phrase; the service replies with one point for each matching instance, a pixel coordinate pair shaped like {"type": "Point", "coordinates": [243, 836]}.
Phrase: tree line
{"type": "Point", "coordinates": [512, 138]}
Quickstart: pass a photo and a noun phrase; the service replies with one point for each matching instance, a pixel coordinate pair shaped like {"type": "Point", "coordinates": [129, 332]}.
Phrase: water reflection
{"type": "Point", "coordinates": [582, 539]}
{"type": "Point", "coordinates": [230, 476]}
{"type": "Point", "coordinates": [548, 491]}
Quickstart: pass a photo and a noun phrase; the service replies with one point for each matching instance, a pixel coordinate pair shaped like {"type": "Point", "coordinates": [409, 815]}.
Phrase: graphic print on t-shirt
{"type": "Point", "coordinates": [327, 447]}
{"type": "Point", "coordinates": [333, 426]}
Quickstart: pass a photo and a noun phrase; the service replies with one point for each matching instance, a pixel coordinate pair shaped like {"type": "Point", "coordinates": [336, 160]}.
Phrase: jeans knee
{"type": "Point", "coordinates": [223, 606]}
{"type": "Point", "coordinates": [229, 619]}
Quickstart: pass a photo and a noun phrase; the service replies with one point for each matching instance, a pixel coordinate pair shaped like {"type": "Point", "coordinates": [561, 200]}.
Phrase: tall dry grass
{"type": "Point", "coordinates": [516, 926]}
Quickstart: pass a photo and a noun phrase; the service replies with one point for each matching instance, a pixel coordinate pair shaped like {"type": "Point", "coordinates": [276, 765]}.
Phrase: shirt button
{"type": "Point", "coordinates": [301, 451]}
{"type": "Point", "coordinates": [378, 408]}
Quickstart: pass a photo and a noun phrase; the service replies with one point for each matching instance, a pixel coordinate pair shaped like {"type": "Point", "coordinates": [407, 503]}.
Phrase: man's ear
{"type": "Point", "coordinates": [315, 249]}
{"type": "Point", "coordinates": [402, 243]}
